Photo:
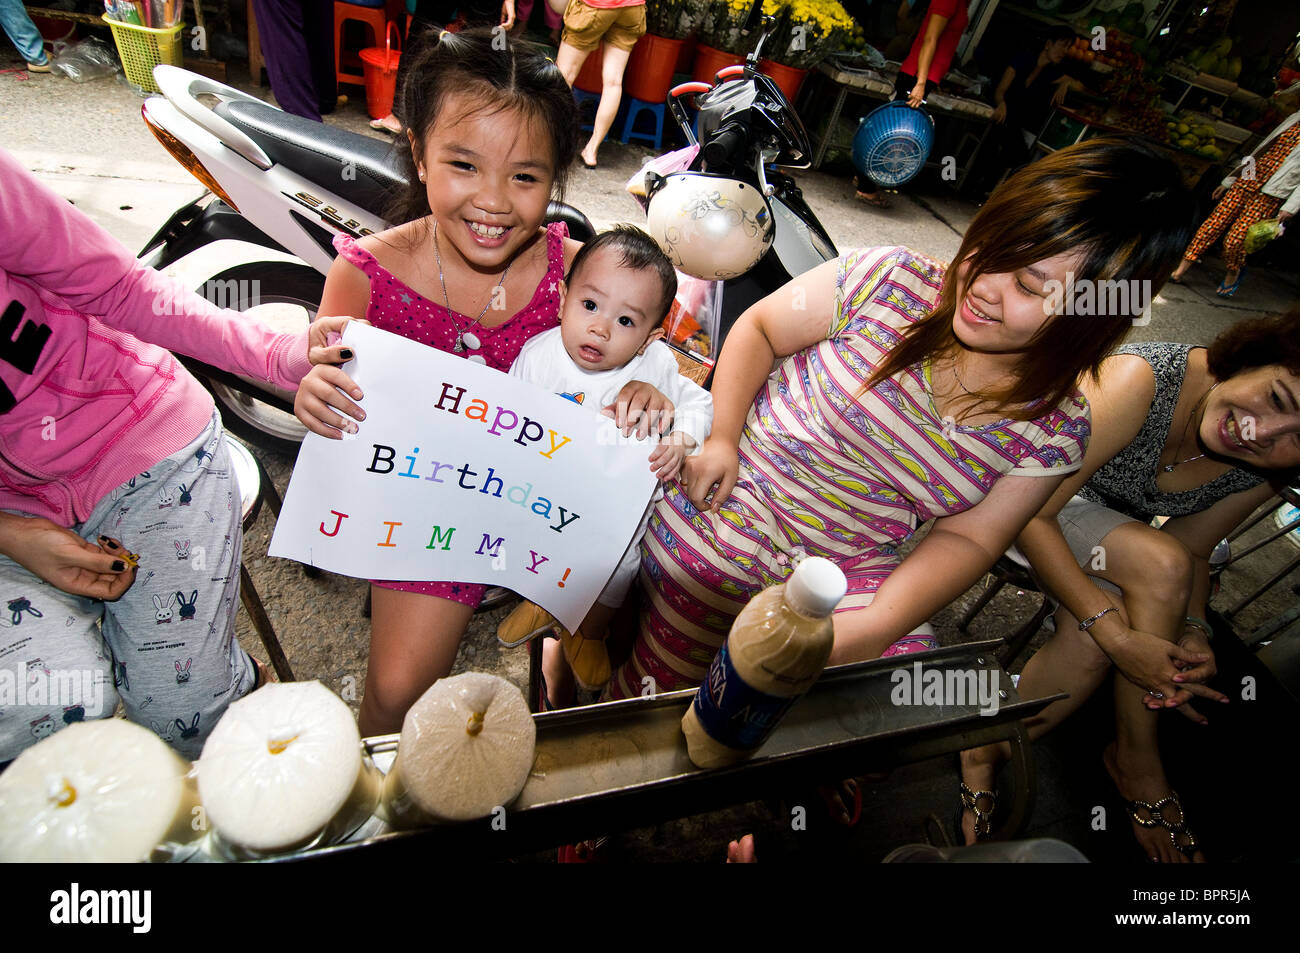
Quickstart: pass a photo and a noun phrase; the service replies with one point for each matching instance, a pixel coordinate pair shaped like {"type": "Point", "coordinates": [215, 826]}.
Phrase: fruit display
{"type": "Point", "coordinates": [1198, 138]}
{"type": "Point", "coordinates": [1217, 59]}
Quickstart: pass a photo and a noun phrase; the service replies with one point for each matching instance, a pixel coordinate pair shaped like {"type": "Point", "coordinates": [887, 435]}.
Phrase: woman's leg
{"type": "Point", "coordinates": [1257, 208]}
{"type": "Point", "coordinates": [611, 94]}
{"type": "Point", "coordinates": [1162, 569]}
{"type": "Point", "coordinates": [1211, 228]}
{"type": "Point", "coordinates": [569, 59]}
{"type": "Point", "coordinates": [413, 643]}
{"type": "Point", "coordinates": [1154, 571]}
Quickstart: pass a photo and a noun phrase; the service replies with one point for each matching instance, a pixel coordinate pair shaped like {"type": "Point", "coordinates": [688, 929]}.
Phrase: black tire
{"type": "Point", "coordinates": [277, 283]}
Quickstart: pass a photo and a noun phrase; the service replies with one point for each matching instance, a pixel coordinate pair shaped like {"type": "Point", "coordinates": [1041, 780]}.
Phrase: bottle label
{"type": "Point", "coordinates": [731, 711]}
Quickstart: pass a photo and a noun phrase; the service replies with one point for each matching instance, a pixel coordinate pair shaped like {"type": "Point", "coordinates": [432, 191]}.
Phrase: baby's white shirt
{"type": "Point", "coordinates": [544, 361]}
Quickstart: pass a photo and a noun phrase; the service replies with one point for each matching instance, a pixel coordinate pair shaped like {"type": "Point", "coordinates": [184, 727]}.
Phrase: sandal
{"type": "Point", "coordinates": [970, 801]}
{"type": "Point", "coordinates": [1145, 814]}
{"type": "Point", "coordinates": [1226, 290]}
{"type": "Point", "coordinates": [833, 800]}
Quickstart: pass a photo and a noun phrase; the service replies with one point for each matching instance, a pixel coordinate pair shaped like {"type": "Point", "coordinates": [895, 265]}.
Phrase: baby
{"type": "Point", "coordinates": [612, 308]}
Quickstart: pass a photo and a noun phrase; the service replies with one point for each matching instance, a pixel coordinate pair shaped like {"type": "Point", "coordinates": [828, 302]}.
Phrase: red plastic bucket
{"type": "Point", "coordinates": [589, 76]}
{"type": "Point", "coordinates": [708, 61]}
{"type": "Point", "coordinates": [789, 78]}
{"type": "Point", "coordinates": [650, 68]}
{"type": "Point", "coordinates": [381, 75]}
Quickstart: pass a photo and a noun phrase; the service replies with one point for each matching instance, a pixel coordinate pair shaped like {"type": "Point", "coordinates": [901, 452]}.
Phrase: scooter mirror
{"type": "Point", "coordinates": [754, 18]}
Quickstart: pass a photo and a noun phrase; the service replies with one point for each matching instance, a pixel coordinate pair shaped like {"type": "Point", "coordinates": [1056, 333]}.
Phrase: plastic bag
{"type": "Point", "coordinates": [92, 58]}
{"type": "Point", "coordinates": [1261, 233]}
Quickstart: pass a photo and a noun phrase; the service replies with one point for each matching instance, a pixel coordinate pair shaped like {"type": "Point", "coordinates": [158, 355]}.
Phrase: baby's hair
{"type": "Point", "coordinates": [639, 252]}
{"type": "Point", "coordinates": [501, 74]}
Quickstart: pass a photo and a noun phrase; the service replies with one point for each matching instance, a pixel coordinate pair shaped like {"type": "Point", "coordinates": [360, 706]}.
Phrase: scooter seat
{"type": "Point", "coordinates": [353, 167]}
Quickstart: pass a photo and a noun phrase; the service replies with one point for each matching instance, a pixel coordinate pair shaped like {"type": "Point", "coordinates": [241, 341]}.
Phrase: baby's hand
{"type": "Point", "coordinates": [666, 460]}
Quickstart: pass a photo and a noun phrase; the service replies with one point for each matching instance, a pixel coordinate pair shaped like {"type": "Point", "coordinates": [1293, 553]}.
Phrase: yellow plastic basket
{"type": "Point", "coordinates": [142, 48]}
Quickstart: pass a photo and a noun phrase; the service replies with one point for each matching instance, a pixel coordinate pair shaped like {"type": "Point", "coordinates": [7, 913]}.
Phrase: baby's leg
{"type": "Point", "coordinates": [413, 642]}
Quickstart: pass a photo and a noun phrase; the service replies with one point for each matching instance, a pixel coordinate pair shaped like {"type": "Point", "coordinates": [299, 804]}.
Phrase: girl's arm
{"type": "Point", "coordinates": [795, 316]}
{"type": "Point", "coordinates": [347, 291]}
{"type": "Point", "coordinates": [957, 551]}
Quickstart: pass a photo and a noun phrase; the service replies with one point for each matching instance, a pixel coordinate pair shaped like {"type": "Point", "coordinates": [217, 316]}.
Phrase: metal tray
{"type": "Point", "coordinates": [623, 764]}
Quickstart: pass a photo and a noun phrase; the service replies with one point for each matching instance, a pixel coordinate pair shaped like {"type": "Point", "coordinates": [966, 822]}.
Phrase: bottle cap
{"type": "Point", "coordinates": [816, 587]}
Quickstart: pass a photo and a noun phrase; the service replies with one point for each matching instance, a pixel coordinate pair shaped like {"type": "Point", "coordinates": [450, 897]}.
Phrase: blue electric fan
{"type": "Point", "coordinates": [892, 143]}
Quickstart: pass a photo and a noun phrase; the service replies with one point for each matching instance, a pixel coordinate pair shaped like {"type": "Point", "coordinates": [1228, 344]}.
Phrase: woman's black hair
{"type": "Point", "coordinates": [503, 75]}
{"type": "Point", "coordinates": [1257, 342]}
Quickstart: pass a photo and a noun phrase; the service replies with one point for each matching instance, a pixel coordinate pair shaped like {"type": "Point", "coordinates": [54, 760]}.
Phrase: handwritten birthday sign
{"type": "Point", "coordinates": [462, 473]}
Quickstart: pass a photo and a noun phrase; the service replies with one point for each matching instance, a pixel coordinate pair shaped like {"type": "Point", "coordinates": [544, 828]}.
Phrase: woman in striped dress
{"type": "Point", "coordinates": [903, 392]}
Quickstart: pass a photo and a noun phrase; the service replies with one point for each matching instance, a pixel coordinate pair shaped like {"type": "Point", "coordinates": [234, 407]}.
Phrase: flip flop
{"type": "Point", "coordinates": [1226, 290]}
{"type": "Point", "coordinates": [879, 201]}
{"type": "Point", "coordinates": [378, 126]}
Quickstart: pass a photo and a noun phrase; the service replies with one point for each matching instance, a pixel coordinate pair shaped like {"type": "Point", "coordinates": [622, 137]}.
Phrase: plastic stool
{"type": "Point", "coordinates": [362, 12]}
{"type": "Point", "coordinates": [582, 97]}
{"type": "Point", "coordinates": [635, 107]}
{"type": "Point", "coordinates": [254, 487]}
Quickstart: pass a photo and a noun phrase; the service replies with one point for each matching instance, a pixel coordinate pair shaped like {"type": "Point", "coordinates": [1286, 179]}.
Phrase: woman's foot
{"type": "Point", "coordinates": [390, 124]}
{"type": "Point", "coordinates": [39, 67]}
{"type": "Point", "coordinates": [871, 198]}
{"type": "Point", "coordinates": [1177, 276]}
{"type": "Point", "coordinates": [588, 157]}
{"type": "Point", "coordinates": [978, 778]}
{"type": "Point", "coordinates": [1228, 287]}
{"type": "Point", "coordinates": [1157, 816]}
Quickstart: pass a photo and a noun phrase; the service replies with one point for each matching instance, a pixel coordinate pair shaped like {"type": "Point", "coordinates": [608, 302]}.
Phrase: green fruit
{"type": "Point", "coordinates": [1222, 45]}
{"type": "Point", "coordinates": [1208, 63]}
{"type": "Point", "coordinates": [1184, 129]}
{"type": "Point", "coordinates": [1186, 142]}
{"type": "Point", "coordinates": [1234, 68]}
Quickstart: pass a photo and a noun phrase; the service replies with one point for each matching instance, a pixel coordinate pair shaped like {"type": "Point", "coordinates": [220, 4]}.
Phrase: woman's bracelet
{"type": "Point", "coordinates": [1086, 624]}
{"type": "Point", "coordinates": [1201, 624]}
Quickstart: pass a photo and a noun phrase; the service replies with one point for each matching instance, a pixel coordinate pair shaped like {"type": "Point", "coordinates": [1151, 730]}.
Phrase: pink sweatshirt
{"type": "Point", "coordinates": [89, 394]}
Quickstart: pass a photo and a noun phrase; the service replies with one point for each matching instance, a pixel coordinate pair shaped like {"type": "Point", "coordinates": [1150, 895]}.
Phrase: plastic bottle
{"type": "Point", "coordinates": [776, 649]}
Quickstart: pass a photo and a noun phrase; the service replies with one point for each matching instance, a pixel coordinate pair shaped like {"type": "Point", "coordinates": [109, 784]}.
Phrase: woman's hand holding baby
{"type": "Point", "coordinates": [717, 464]}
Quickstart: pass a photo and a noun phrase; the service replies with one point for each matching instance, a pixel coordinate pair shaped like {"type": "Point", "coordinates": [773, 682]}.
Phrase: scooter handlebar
{"type": "Point", "coordinates": [686, 89]}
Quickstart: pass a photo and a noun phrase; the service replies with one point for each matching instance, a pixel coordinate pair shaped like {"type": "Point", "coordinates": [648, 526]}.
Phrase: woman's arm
{"type": "Point", "coordinates": [952, 557]}
{"type": "Point", "coordinates": [999, 94]}
{"type": "Point", "coordinates": [795, 316]}
{"type": "Point", "coordinates": [930, 43]}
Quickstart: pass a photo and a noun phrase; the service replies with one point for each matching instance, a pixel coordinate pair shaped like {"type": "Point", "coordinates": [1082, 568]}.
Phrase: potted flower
{"type": "Point", "coordinates": [806, 32]}
{"type": "Point", "coordinates": [721, 42]}
{"type": "Point", "coordinates": [654, 59]}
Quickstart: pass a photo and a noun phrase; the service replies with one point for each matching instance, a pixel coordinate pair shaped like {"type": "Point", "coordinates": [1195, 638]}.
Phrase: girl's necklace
{"type": "Point", "coordinates": [1169, 467]}
{"type": "Point", "coordinates": [465, 338]}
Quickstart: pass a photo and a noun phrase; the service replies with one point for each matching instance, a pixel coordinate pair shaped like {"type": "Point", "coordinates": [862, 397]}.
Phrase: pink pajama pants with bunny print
{"type": "Point", "coordinates": [167, 648]}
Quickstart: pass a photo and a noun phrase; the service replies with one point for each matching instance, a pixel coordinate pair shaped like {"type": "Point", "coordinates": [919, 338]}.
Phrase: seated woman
{"type": "Point", "coordinates": [112, 456]}
{"type": "Point", "coordinates": [903, 392]}
{"type": "Point", "coordinates": [1200, 435]}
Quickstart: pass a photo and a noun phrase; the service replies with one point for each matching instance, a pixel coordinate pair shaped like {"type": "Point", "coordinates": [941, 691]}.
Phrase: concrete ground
{"type": "Point", "coordinates": [88, 143]}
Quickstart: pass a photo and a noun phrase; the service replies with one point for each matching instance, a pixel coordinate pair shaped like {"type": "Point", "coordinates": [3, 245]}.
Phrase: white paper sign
{"type": "Point", "coordinates": [460, 472]}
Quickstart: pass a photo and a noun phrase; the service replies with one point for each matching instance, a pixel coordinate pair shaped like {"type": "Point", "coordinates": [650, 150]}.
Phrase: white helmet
{"type": "Point", "coordinates": [711, 226]}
